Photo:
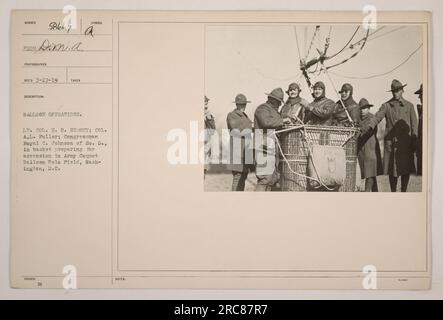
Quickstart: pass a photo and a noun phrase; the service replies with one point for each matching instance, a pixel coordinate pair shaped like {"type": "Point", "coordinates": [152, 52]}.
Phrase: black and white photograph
{"type": "Point", "coordinates": [314, 107]}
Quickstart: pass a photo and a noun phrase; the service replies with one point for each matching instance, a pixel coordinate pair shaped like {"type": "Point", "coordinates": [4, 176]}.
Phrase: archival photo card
{"type": "Point", "coordinates": [220, 150]}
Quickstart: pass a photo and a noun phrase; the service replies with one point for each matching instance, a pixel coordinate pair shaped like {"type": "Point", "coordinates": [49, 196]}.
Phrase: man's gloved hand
{"type": "Point", "coordinates": [287, 121]}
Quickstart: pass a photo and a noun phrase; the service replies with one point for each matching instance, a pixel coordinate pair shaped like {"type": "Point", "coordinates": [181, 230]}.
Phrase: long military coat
{"type": "Point", "coordinates": [240, 127]}
{"type": "Point", "coordinates": [369, 154]}
{"type": "Point", "coordinates": [266, 117]}
{"type": "Point", "coordinates": [400, 136]}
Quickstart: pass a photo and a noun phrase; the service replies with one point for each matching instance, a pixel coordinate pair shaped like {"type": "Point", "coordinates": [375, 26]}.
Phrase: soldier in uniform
{"type": "Point", "coordinates": [240, 127]}
{"type": "Point", "coordinates": [368, 150]}
{"type": "Point", "coordinates": [321, 110]}
{"type": "Point", "coordinates": [209, 131]}
{"type": "Point", "coordinates": [347, 101]}
{"type": "Point", "coordinates": [295, 106]}
{"type": "Point", "coordinates": [420, 131]}
{"type": "Point", "coordinates": [267, 119]}
{"type": "Point", "coordinates": [400, 136]}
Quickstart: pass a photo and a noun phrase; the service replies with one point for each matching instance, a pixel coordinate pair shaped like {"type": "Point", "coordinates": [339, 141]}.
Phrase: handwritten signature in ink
{"type": "Point", "coordinates": [59, 46]}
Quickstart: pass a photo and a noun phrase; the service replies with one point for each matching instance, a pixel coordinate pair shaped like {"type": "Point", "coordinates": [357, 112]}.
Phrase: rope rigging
{"type": "Point", "coordinates": [346, 45]}
{"type": "Point", "coordinates": [319, 61]}
{"type": "Point", "coordinates": [316, 65]}
{"type": "Point", "coordinates": [352, 56]}
{"type": "Point", "coordinates": [296, 39]}
{"type": "Point", "coordinates": [322, 55]}
{"type": "Point", "coordinates": [351, 46]}
{"type": "Point", "coordinates": [312, 43]}
{"type": "Point", "coordinates": [384, 73]}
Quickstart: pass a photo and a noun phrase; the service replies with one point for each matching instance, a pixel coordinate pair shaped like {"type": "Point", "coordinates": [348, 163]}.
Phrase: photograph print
{"type": "Point", "coordinates": [332, 108]}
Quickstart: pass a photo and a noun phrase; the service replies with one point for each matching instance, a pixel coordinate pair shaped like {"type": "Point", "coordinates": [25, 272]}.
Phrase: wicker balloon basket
{"type": "Point", "coordinates": [295, 147]}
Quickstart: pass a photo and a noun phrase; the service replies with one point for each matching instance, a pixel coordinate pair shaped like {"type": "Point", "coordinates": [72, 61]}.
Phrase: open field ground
{"type": "Point", "coordinates": [223, 181]}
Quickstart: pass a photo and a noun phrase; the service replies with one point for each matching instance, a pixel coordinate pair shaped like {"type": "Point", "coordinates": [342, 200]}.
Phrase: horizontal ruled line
{"type": "Point", "coordinates": [40, 66]}
{"type": "Point", "coordinates": [67, 51]}
{"type": "Point", "coordinates": [64, 34]}
{"type": "Point", "coordinates": [58, 83]}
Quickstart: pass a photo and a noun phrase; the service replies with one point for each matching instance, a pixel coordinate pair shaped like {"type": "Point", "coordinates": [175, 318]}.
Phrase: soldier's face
{"type": "Point", "coordinates": [398, 94]}
{"type": "Point", "coordinates": [241, 106]}
{"type": "Point", "coordinates": [364, 111]}
{"type": "Point", "coordinates": [275, 102]}
{"type": "Point", "coordinates": [345, 94]}
{"type": "Point", "coordinates": [293, 93]}
{"type": "Point", "coordinates": [206, 105]}
{"type": "Point", "coordinates": [420, 96]}
{"type": "Point", "coordinates": [318, 92]}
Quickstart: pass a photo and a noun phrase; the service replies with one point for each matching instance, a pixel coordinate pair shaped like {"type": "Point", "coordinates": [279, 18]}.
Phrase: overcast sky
{"type": "Point", "coordinates": [256, 59]}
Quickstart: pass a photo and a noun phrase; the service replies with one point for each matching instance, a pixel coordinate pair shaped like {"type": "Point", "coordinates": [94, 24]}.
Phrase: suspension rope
{"type": "Point", "coordinates": [341, 101]}
{"type": "Point", "coordinates": [298, 44]}
{"type": "Point", "coordinates": [305, 66]}
{"type": "Point", "coordinates": [319, 38]}
{"type": "Point", "coordinates": [370, 37]}
{"type": "Point", "coordinates": [351, 46]}
{"type": "Point", "coordinates": [312, 42]}
{"type": "Point", "coordinates": [346, 45]}
{"type": "Point", "coordinates": [381, 74]}
{"type": "Point", "coordinates": [386, 33]}
{"type": "Point", "coordinates": [352, 56]}
{"type": "Point", "coordinates": [327, 42]}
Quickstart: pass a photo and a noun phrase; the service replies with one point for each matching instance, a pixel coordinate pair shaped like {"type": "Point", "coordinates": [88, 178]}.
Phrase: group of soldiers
{"type": "Point", "coordinates": [402, 141]}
